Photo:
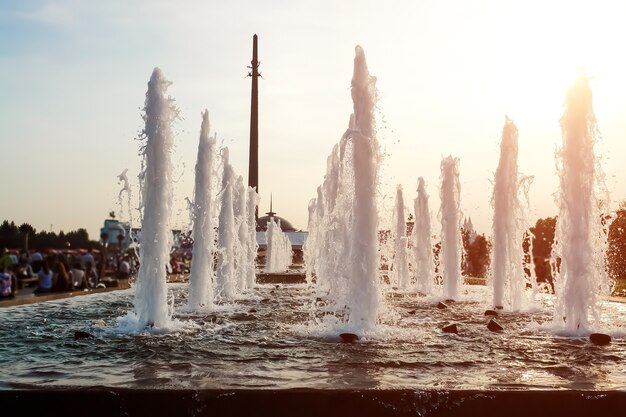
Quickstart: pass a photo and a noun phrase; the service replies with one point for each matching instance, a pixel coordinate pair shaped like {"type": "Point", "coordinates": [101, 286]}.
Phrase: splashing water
{"type": "Point", "coordinates": [225, 279]}
{"type": "Point", "coordinates": [278, 256]}
{"type": "Point", "coordinates": [122, 178]}
{"type": "Point", "coordinates": [450, 214]}
{"type": "Point", "coordinates": [151, 305]}
{"type": "Point", "coordinates": [400, 265]}
{"type": "Point", "coordinates": [251, 245]}
{"type": "Point", "coordinates": [422, 241]}
{"type": "Point", "coordinates": [241, 233]}
{"type": "Point", "coordinates": [330, 238]}
{"type": "Point", "coordinates": [310, 255]}
{"type": "Point", "coordinates": [203, 209]}
{"type": "Point", "coordinates": [581, 280]}
{"type": "Point", "coordinates": [509, 224]}
{"type": "Point", "coordinates": [345, 254]}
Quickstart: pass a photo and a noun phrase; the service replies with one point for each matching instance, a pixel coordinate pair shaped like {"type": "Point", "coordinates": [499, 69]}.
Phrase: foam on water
{"type": "Point", "coordinates": [267, 340]}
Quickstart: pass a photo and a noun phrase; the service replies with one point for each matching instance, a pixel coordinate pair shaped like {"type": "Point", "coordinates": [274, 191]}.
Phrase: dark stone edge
{"type": "Point", "coordinates": [113, 402]}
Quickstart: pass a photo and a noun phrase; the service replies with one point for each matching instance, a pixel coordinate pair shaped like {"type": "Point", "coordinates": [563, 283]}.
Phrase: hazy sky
{"type": "Point", "coordinates": [73, 77]}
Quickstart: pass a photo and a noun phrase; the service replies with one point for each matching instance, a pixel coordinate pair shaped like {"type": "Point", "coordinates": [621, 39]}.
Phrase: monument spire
{"type": "Point", "coordinates": [271, 213]}
{"type": "Point", "coordinates": [253, 167]}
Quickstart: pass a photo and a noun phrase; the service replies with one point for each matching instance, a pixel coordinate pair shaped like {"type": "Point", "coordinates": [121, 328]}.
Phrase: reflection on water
{"type": "Point", "coordinates": [267, 341]}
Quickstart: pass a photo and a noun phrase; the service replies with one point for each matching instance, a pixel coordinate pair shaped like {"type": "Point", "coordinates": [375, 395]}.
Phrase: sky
{"type": "Point", "coordinates": [73, 78]}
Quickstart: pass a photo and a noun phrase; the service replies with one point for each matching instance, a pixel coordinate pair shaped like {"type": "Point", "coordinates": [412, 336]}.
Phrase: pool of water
{"type": "Point", "coordinates": [270, 339]}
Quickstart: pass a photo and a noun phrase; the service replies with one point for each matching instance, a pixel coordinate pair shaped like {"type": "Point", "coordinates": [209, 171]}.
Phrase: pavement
{"type": "Point", "coordinates": [26, 295]}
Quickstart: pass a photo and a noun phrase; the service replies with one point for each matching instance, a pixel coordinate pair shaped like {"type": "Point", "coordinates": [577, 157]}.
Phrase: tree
{"type": "Point", "coordinates": [26, 230]}
{"type": "Point", "coordinates": [543, 239]}
{"type": "Point", "coordinates": [477, 254]}
{"type": "Point", "coordinates": [25, 235]}
{"type": "Point", "coordinates": [616, 251]}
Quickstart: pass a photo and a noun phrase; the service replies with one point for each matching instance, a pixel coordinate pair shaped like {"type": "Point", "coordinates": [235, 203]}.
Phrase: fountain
{"type": "Point", "coordinates": [509, 225]}
{"type": "Point", "coordinates": [261, 353]}
{"type": "Point", "coordinates": [278, 257]}
{"type": "Point", "coordinates": [350, 275]}
{"type": "Point", "coordinates": [156, 200]}
{"type": "Point", "coordinates": [240, 253]}
{"type": "Point", "coordinates": [327, 243]}
{"type": "Point", "coordinates": [400, 264]}
{"type": "Point", "coordinates": [450, 214]}
{"type": "Point", "coordinates": [422, 241]}
{"type": "Point", "coordinates": [123, 178]}
{"type": "Point", "coordinates": [581, 280]}
{"type": "Point", "coordinates": [225, 276]}
{"type": "Point", "coordinates": [201, 279]}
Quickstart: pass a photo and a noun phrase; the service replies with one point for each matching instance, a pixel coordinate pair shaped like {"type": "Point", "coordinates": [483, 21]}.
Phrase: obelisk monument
{"type": "Point", "coordinates": [253, 167]}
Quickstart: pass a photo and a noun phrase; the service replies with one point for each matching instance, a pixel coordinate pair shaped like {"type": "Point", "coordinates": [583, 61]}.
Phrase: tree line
{"type": "Point", "coordinates": [27, 237]}
{"type": "Point", "coordinates": [477, 248]}
{"type": "Point", "coordinates": [477, 251]}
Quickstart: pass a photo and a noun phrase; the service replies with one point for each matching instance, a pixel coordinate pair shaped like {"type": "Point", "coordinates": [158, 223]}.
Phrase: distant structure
{"type": "Point", "coordinates": [253, 166]}
{"type": "Point", "coordinates": [115, 232]}
{"type": "Point", "coordinates": [468, 227]}
{"type": "Point", "coordinates": [285, 225]}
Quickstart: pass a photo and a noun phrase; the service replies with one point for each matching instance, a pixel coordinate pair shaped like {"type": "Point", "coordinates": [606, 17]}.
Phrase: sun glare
{"type": "Point", "coordinates": [538, 50]}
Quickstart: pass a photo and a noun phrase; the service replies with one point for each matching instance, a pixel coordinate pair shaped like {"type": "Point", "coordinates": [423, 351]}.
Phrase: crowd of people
{"type": "Point", "coordinates": [55, 271]}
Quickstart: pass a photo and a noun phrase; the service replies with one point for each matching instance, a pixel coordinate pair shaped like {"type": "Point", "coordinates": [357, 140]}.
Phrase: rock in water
{"type": "Point", "coordinates": [451, 328]}
{"type": "Point", "coordinates": [491, 313]}
{"type": "Point", "coordinates": [412, 312]}
{"type": "Point", "coordinates": [600, 339]}
{"type": "Point", "coordinates": [348, 337]}
{"type": "Point", "coordinates": [79, 334]}
{"type": "Point", "coordinates": [442, 305]}
{"type": "Point", "coordinates": [494, 326]}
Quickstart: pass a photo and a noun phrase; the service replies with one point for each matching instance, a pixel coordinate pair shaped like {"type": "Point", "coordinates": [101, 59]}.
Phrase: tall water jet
{"type": "Point", "coordinates": [156, 200]}
{"type": "Point", "coordinates": [422, 241]}
{"type": "Point", "coordinates": [252, 247]}
{"type": "Point", "coordinates": [203, 209]}
{"type": "Point", "coordinates": [345, 253]}
{"type": "Point", "coordinates": [225, 277]}
{"type": "Point", "coordinates": [310, 249]}
{"type": "Point", "coordinates": [241, 230]}
{"type": "Point", "coordinates": [581, 280]}
{"type": "Point", "coordinates": [279, 254]}
{"type": "Point", "coordinates": [363, 281]}
{"type": "Point", "coordinates": [123, 178]}
{"type": "Point", "coordinates": [507, 273]}
{"type": "Point", "coordinates": [332, 211]}
{"type": "Point", "coordinates": [400, 264]}
{"type": "Point", "coordinates": [450, 214]}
